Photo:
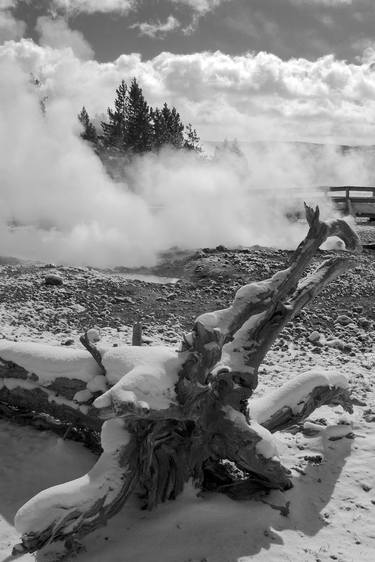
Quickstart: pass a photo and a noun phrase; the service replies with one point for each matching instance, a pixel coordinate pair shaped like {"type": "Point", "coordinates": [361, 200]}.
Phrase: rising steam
{"type": "Point", "coordinates": [58, 204]}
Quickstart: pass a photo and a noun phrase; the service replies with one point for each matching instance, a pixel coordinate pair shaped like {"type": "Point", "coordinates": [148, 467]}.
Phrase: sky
{"type": "Point", "coordinates": [248, 69]}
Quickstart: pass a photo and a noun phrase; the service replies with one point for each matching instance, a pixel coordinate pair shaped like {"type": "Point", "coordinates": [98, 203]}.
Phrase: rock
{"type": "Point", "coordinates": [337, 344]}
{"type": "Point", "coordinates": [314, 337]}
{"type": "Point", "coordinates": [364, 322]}
{"type": "Point", "coordinates": [343, 319]}
{"type": "Point", "coordinates": [53, 279]}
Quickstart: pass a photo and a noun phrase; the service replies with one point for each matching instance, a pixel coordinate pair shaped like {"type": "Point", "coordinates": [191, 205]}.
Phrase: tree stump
{"type": "Point", "coordinates": [171, 416]}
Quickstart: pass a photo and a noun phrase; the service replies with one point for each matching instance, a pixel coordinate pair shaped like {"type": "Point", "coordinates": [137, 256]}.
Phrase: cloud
{"type": "Point", "coordinates": [157, 29]}
{"type": "Point", "coordinates": [201, 6]}
{"type": "Point", "coordinates": [56, 33]}
{"type": "Point", "coordinates": [251, 96]}
{"type": "Point", "coordinates": [94, 6]}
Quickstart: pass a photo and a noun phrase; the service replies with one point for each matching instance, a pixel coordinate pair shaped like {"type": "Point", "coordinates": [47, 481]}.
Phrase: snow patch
{"type": "Point", "coordinates": [266, 446]}
{"type": "Point", "coordinates": [49, 362]}
{"type": "Point", "coordinates": [294, 393]}
{"type": "Point", "coordinates": [97, 384]}
{"type": "Point", "coordinates": [82, 396]}
{"type": "Point", "coordinates": [113, 435]}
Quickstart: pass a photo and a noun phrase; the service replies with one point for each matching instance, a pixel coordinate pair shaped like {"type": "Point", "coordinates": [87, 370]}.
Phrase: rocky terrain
{"type": "Point", "coordinates": [37, 300]}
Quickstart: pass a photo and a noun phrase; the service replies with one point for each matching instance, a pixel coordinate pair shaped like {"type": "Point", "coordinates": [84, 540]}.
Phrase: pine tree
{"type": "Point", "coordinates": [114, 129]}
{"type": "Point", "coordinates": [192, 140]}
{"type": "Point", "coordinates": [89, 132]}
{"type": "Point", "coordinates": [167, 127]}
{"type": "Point", "coordinates": [138, 127]}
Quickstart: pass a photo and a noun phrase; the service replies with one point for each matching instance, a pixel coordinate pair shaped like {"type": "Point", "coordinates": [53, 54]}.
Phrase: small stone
{"type": "Point", "coordinates": [314, 337]}
{"type": "Point", "coordinates": [343, 319]}
{"type": "Point", "coordinates": [53, 279]}
{"type": "Point", "coordinates": [364, 322]}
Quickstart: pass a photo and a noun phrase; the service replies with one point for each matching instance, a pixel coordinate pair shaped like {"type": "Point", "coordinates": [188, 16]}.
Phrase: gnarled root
{"type": "Point", "coordinates": [298, 398]}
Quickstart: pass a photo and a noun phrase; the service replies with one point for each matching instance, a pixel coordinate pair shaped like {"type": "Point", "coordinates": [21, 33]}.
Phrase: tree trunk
{"type": "Point", "coordinates": [173, 416]}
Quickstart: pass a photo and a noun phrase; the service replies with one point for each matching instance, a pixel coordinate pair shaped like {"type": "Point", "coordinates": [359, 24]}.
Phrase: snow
{"type": "Point", "coordinates": [49, 362]}
{"type": "Point", "coordinates": [332, 504]}
{"type": "Point", "coordinates": [51, 506]}
{"type": "Point", "coordinates": [266, 446]}
{"type": "Point", "coordinates": [294, 393]}
{"type": "Point", "coordinates": [149, 373]}
{"type": "Point", "coordinates": [97, 384]}
{"type": "Point", "coordinates": [233, 355]}
{"type": "Point", "coordinates": [118, 361]}
{"type": "Point", "coordinates": [331, 513]}
{"type": "Point", "coordinates": [152, 386]}
{"type": "Point", "coordinates": [113, 435]}
{"type": "Point", "coordinates": [82, 396]}
{"type": "Point", "coordinates": [253, 293]}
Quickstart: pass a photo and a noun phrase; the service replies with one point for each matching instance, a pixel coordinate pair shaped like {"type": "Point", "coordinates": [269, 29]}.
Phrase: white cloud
{"type": "Point", "coordinates": [157, 29]}
{"type": "Point", "coordinates": [93, 6]}
{"type": "Point", "coordinates": [56, 33]}
{"type": "Point", "coordinates": [250, 97]}
{"type": "Point", "coordinates": [201, 6]}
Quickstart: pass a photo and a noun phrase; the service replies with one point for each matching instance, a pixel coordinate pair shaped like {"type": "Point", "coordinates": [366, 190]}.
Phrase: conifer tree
{"type": "Point", "coordinates": [168, 128]}
{"type": "Point", "coordinates": [114, 129]}
{"type": "Point", "coordinates": [89, 132]}
{"type": "Point", "coordinates": [138, 131]}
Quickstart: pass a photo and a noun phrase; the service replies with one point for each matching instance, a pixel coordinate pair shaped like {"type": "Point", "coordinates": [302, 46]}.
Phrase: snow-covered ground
{"type": "Point", "coordinates": [328, 515]}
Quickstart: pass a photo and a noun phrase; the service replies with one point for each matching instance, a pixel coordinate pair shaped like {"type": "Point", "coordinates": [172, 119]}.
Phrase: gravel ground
{"type": "Point", "coordinates": [208, 279]}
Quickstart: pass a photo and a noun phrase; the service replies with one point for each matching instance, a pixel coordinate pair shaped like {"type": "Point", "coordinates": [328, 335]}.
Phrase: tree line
{"type": "Point", "coordinates": [134, 127]}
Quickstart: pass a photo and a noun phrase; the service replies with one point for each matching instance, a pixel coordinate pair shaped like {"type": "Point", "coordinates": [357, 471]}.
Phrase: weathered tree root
{"type": "Point", "coordinates": [174, 416]}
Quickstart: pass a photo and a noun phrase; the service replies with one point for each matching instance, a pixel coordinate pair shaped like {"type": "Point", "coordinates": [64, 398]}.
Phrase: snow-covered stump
{"type": "Point", "coordinates": [172, 416]}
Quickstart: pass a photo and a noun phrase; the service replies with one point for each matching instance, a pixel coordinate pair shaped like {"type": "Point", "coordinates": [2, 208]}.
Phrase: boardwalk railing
{"type": "Point", "coordinates": [353, 199]}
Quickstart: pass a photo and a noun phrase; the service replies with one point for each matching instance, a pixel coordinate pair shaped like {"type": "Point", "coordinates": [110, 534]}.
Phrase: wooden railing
{"type": "Point", "coordinates": [351, 202]}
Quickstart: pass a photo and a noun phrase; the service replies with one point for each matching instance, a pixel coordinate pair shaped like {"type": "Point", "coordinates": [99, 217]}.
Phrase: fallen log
{"type": "Point", "coordinates": [171, 416]}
